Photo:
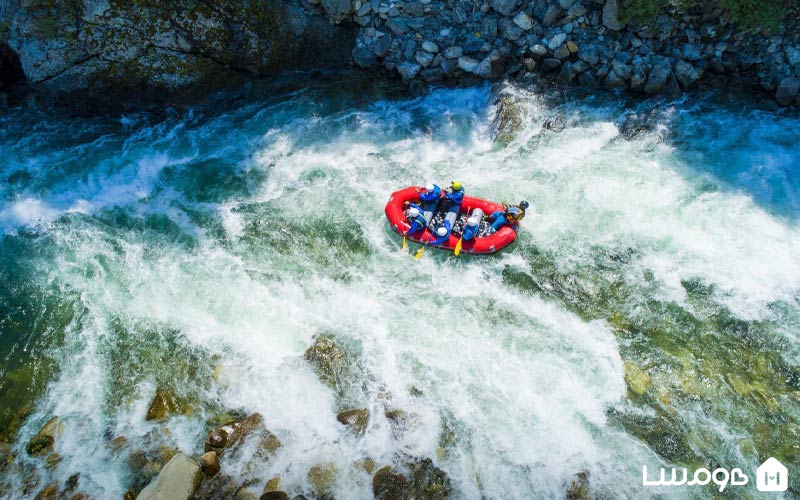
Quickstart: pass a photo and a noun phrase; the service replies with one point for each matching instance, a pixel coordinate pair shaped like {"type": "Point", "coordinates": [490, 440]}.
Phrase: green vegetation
{"type": "Point", "coordinates": [765, 14]}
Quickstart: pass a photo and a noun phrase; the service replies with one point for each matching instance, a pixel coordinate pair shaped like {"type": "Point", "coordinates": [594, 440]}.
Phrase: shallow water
{"type": "Point", "coordinates": [201, 251]}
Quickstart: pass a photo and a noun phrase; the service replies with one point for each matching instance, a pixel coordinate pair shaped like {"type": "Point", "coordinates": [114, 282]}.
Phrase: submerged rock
{"type": "Point", "coordinates": [508, 120]}
{"type": "Point", "coordinates": [163, 404]}
{"type": "Point", "coordinates": [356, 419]}
{"type": "Point", "coordinates": [178, 480]}
{"type": "Point", "coordinates": [387, 484]}
{"type": "Point", "coordinates": [787, 91]}
{"type": "Point", "coordinates": [637, 379]}
{"type": "Point", "coordinates": [423, 481]}
{"type": "Point", "coordinates": [579, 487]}
{"type": "Point", "coordinates": [322, 477]}
{"type": "Point", "coordinates": [209, 463]}
{"type": "Point", "coordinates": [329, 360]}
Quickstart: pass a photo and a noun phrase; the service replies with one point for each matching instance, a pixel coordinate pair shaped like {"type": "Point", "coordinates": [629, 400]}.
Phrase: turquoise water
{"type": "Point", "coordinates": [202, 250]}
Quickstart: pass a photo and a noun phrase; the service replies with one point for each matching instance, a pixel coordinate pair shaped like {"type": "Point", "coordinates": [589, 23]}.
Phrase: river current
{"type": "Point", "coordinates": [202, 250]}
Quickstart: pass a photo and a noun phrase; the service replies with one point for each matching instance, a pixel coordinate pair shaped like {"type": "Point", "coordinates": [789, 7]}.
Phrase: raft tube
{"type": "Point", "coordinates": [482, 245]}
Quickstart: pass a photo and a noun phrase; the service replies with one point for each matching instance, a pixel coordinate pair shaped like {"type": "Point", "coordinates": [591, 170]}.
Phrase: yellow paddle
{"type": "Point", "coordinates": [418, 255]}
{"type": "Point", "coordinates": [405, 245]}
{"type": "Point", "coordinates": [457, 249]}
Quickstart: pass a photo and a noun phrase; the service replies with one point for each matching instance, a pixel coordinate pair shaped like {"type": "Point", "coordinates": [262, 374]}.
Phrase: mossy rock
{"type": "Point", "coordinates": [637, 379]}
{"type": "Point", "coordinates": [388, 484]}
{"type": "Point", "coordinates": [428, 481]}
{"type": "Point", "coordinates": [40, 445]}
{"type": "Point", "coordinates": [508, 120]}
{"type": "Point", "coordinates": [163, 405]}
{"type": "Point", "coordinates": [49, 492]}
{"type": "Point", "coordinates": [579, 487]}
{"type": "Point", "coordinates": [329, 360]}
{"type": "Point", "coordinates": [366, 464]}
{"type": "Point", "coordinates": [274, 495]}
{"type": "Point", "coordinates": [231, 433]}
{"type": "Point", "coordinates": [322, 478]}
{"type": "Point", "coordinates": [356, 419]}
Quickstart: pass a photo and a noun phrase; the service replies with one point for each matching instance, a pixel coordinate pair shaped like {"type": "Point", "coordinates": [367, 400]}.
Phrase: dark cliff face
{"type": "Point", "coordinates": [113, 53]}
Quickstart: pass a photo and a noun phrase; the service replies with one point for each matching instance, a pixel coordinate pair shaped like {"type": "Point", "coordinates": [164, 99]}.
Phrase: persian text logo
{"type": "Point", "coordinates": [721, 477]}
{"type": "Point", "coordinates": [772, 476]}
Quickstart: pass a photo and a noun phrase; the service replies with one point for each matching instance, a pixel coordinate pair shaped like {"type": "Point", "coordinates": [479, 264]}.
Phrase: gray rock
{"type": "Point", "coordinates": [587, 80]}
{"type": "Point", "coordinates": [408, 70]}
{"type": "Point", "coordinates": [589, 56]}
{"type": "Point", "coordinates": [793, 56]}
{"type": "Point", "coordinates": [449, 66]}
{"type": "Point", "coordinates": [787, 90]}
{"type": "Point", "coordinates": [414, 9]}
{"type": "Point", "coordinates": [621, 69]}
{"type": "Point", "coordinates": [538, 50]}
{"type": "Point", "coordinates": [638, 78]}
{"type": "Point", "coordinates": [423, 58]}
{"type": "Point", "coordinates": [610, 15]}
{"type": "Point", "coordinates": [556, 41]}
{"type": "Point", "coordinates": [468, 64]}
{"type": "Point", "coordinates": [509, 30]}
{"type": "Point", "coordinates": [505, 7]}
{"type": "Point", "coordinates": [552, 63]}
{"type": "Point", "coordinates": [552, 15]}
{"type": "Point", "coordinates": [489, 27]}
{"type": "Point", "coordinates": [691, 52]}
{"type": "Point", "coordinates": [453, 52]}
{"type": "Point", "coordinates": [686, 74]}
{"type": "Point", "coordinates": [459, 17]}
{"type": "Point", "coordinates": [523, 21]}
{"type": "Point", "coordinates": [382, 45]}
{"type": "Point", "coordinates": [562, 52]}
{"type": "Point", "coordinates": [430, 47]}
{"type": "Point", "coordinates": [337, 10]}
{"type": "Point", "coordinates": [178, 480]}
{"type": "Point", "coordinates": [614, 81]}
{"type": "Point", "coordinates": [659, 74]}
{"type": "Point", "coordinates": [364, 57]}
{"type": "Point", "coordinates": [398, 25]}
{"type": "Point", "coordinates": [566, 4]}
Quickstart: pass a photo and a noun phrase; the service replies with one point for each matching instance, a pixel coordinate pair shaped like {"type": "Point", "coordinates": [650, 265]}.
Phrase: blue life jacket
{"type": "Point", "coordinates": [470, 232]}
{"type": "Point", "coordinates": [441, 240]}
{"type": "Point", "coordinates": [418, 223]}
{"type": "Point", "coordinates": [456, 196]}
{"type": "Point", "coordinates": [431, 195]}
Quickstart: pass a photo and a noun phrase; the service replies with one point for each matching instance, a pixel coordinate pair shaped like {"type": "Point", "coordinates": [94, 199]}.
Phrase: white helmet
{"type": "Point", "coordinates": [472, 221]}
{"type": "Point", "coordinates": [442, 231]}
{"type": "Point", "coordinates": [413, 212]}
{"type": "Point", "coordinates": [429, 187]}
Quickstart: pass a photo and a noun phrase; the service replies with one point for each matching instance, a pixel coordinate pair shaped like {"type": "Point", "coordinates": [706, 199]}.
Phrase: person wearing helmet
{"type": "Point", "coordinates": [455, 194]}
{"type": "Point", "coordinates": [430, 194]}
{"type": "Point", "coordinates": [415, 218]}
{"type": "Point", "coordinates": [471, 228]}
{"type": "Point", "coordinates": [442, 234]}
{"type": "Point", "coordinates": [510, 215]}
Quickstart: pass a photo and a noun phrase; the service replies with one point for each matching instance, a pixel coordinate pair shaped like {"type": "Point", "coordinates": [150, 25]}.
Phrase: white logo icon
{"type": "Point", "coordinates": [772, 476]}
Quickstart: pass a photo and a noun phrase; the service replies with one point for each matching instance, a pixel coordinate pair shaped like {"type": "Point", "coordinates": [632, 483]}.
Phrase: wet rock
{"type": "Point", "coordinates": [659, 75]}
{"type": "Point", "coordinates": [787, 90]}
{"type": "Point", "coordinates": [637, 379]}
{"type": "Point", "coordinates": [398, 25]}
{"type": "Point", "coordinates": [163, 404]}
{"type": "Point", "coordinates": [209, 463]}
{"type": "Point", "coordinates": [523, 20]}
{"type": "Point", "coordinates": [178, 480]}
{"type": "Point", "coordinates": [453, 52]}
{"type": "Point", "coordinates": [621, 69]}
{"type": "Point", "coordinates": [538, 50]}
{"type": "Point", "coordinates": [322, 478]}
{"type": "Point", "coordinates": [274, 495]}
{"type": "Point", "coordinates": [561, 52]}
{"type": "Point", "coordinates": [428, 481]}
{"type": "Point", "coordinates": [611, 15]}
{"type": "Point", "coordinates": [686, 74]}
{"type": "Point", "coordinates": [337, 10]}
{"type": "Point", "coordinates": [397, 417]}
{"type": "Point", "coordinates": [52, 460]}
{"type": "Point", "coordinates": [552, 63]}
{"type": "Point", "coordinates": [328, 359]}
{"type": "Point", "coordinates": [430, 47]}
{"type": "Point", "coordinates": [407, 71]}
{"type": "Point", "coordinates": [272, 484]}
{"type": "Point", "coordinates": [49, 492]}
{"type": "Point", "coordinates": [552, 15]}
{"type": "Point", "coordinates": [468, 64]}
{"type": "Point", "coordinates": [269, 443]}
{"type": "Point", "coordinates": [44, 440]}
{"type": "Point", "coordinates": [572, 47]}
{"type": "Point", "coordinates": [579, 487]}
{"type": "Point", "coordinates": [356, 420]}
{"type": "Point", "coordinates": [364, 57]}
{"type": "Point", "coordinates": [216, 487]}
{"type": "Point", "coordinates": [508, 120]}
{"type": "Point", "coordinates": [556, 41]}
{"type": "Point", "coordinates": [423, 58]}
{"type": "Point", "coordinates": [691, 52]}
{"type": "Point", "coordinates": [504, 7]}
{"type": "Point", "coordinates": [367, 464]}
{"type": "Point", "coordinates": [387, 484]}
{"type": "Point", "coordinates": [231, 433]}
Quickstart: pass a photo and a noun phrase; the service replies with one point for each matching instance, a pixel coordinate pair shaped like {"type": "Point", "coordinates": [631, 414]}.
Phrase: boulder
{"type": "Point", "coordinates": [659, 74]}
{"type": "Point", "coordinates": [209, 463]}
{"type": "Point", "coordinates": [430, 47]}
{"type": "Point", "coordinates": [423, 58]}
{"type": "Point", "coordinates": [787, 91]}
{"type": "Point", "coordinates": [504, 7]}
{"type": "Point", "coordinates": [408, 70]}
{"type": "Point", "coordinates": [337, 10]}
{"type": "Point", "coordinates": [44, 440]}
{"type": "Point", "coordinates": [579, 487]}
{"type": "Point", "coordinates": [538, 50]}
{"type": "Point", "coordinates": [468, 64]}
{"type": "Point", "coordinates": [686, 74]}
{"type": "Point", "coordinates": [453, 52]}
{"type": "Point", "coordinates": [621, 69]}
{"type": "Point", "coordinates": [610, 15]}
{"type": "Point", "coordinates": [523, 20]}
{"type": "Point", "coordinates": [556, 41]}
{"type": "Point", "coordinates": [387, 484]}
{"type": "Point", "coordinates": [229, 434]}
{"type": "Point", "coordinates": [162, 405]}
{"type": "Point", "coordinates": [322, 478]}
{"type": "Point", "coordinates": [637, 379]}
{"type": "Point", "coordinates": [329, 360]}
{"type": "Point", "coordinates": [274, 495]}
{"type": "Point", "coordinates": [178, 480]}
{"type": "Point", "coordinates": [356, 419]}
{"type": "Point", "coordinates": [552, 15]}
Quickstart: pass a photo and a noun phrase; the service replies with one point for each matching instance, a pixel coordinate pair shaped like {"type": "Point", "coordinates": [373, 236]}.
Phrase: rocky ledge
{"type": "Point", "coordinates": [109, 50]}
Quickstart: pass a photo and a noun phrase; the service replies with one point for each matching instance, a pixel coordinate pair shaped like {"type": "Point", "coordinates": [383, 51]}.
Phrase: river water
{"type": "Point", "coordinates": [201, 251]}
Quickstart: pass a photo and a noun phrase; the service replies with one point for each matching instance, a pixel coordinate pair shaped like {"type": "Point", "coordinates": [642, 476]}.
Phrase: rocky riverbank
{"type": "Point", "coordinates": [116, 52]}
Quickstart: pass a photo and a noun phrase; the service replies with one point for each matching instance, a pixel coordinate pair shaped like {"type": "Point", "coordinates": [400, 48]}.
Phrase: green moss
{"type": "Point", "coordinates": [764, 14]}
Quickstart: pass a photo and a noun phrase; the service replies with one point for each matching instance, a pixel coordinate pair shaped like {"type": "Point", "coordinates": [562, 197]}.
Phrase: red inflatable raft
{"type": "Point", "coordinates": [490, 243]}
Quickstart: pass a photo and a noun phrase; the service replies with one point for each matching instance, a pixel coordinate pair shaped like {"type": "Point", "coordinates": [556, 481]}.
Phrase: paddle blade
{"type": "Point", "coordinates": [418, 255]}
{"type": "Point", "coordinates": [405, 244]}
{"type": "Point", "coordinates": [457, 249]}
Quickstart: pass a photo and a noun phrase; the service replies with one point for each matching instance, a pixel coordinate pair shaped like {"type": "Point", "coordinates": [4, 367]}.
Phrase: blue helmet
{"type": "Point", "coordinates": [524, 204]}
